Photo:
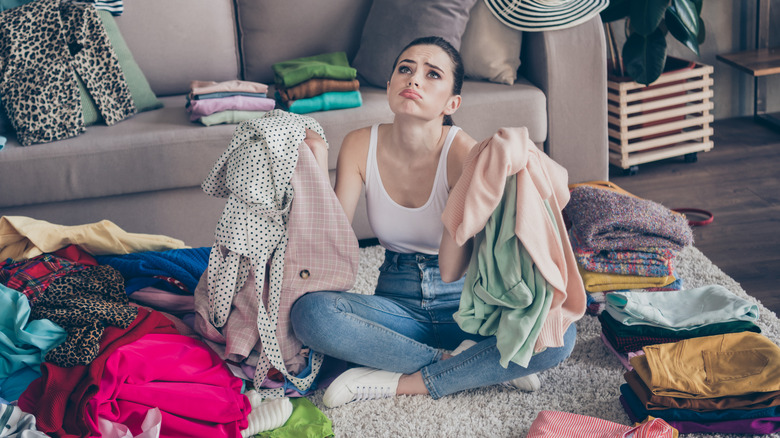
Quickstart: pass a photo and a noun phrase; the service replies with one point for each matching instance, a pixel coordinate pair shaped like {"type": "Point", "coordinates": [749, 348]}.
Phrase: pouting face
{"type": "Point", "coordinates": [421, 84]}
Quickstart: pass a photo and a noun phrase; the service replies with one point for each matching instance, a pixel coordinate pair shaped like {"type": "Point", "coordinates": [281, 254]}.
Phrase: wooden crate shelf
{"type": "Point", "coordinates": [668, 118]}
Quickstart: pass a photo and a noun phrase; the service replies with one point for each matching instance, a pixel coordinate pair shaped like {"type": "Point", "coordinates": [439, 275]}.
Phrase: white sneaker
{"type": "Point", "coordinates": [268, 414]}
{"type": "Point", "coordinates": [527, 383]}
{"type": "Point", "coordinates": [360, 383]}
{"type": "Point", "coordinates": [465, 345]}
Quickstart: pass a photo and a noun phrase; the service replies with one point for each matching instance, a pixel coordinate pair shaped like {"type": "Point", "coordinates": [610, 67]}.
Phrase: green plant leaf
{"type": "Point", "coordinates": [646, 15]}
{"type": "Point", "coordinates": [685, 12]}
{"type": "Point", "coordinates": [645, 57]}
{"type": "Point", "coordinates": [681, 32]}
{"type": "Point", "coordinates": [616, 10]}
{"type": "Point", "coordinates": [698, 4]}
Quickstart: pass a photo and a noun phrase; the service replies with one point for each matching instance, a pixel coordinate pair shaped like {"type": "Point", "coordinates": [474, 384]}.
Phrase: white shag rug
{"type": "Point", "coordinates": [587, 383]}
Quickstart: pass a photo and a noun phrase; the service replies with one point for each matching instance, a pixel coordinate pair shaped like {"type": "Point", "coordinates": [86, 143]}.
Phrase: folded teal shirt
{"type": "Point", "coordinates": [504, 294]}
{"type": "Point", "coordinates": [329, 65]}
{"type": "Point", "coordinates": [331, 100]}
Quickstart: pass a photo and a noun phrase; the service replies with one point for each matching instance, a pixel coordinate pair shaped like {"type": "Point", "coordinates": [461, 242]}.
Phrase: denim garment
{"type": "Point", "coordinates": [406, 326]}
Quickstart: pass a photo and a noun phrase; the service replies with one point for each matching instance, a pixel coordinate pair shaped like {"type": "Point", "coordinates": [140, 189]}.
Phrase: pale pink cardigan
{"type": "Point", "coordinates": [479, 190]}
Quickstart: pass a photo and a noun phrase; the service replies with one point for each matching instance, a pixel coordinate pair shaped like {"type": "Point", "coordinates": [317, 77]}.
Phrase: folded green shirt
{"type": "Point", "coordinates": [329, 66]}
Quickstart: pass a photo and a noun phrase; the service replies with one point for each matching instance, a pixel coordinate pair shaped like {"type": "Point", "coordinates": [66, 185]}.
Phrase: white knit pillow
{"type": "Point", "coordinates": [490, 49]}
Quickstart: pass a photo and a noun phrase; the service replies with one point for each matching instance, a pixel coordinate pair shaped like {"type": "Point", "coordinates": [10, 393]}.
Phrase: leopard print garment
{"type": "Point", "coordinates": [84, 303]}
{"type": "Point", "coordinates": [43, 46]}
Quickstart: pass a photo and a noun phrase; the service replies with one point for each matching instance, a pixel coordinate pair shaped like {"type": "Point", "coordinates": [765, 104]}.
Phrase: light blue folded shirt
{"type": "Point", "coordinates": [678, 310]}
{"type": "Point", "coordinates": [23, 343]}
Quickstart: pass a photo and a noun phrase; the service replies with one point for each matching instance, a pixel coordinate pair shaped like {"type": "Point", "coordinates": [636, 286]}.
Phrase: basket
{"type": "Point", "coordinates": [668, 118]}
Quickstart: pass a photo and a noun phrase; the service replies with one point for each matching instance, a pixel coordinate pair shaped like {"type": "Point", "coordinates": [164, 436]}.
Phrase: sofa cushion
{"type": "Point", "coordinates": [150, 151]}
{"type": "Point", "coordinates": [317, 29]}
{"type": "Point", "coordinates": [177, 41]}
{"type": "Point", "coordinates": [486, 107]}
{"type": "Point", "coordinates": [392, 24]}
{"type": "Point", "coordinates": [490, 49]}
{"type": "Point", "coordinates": [143, 96]}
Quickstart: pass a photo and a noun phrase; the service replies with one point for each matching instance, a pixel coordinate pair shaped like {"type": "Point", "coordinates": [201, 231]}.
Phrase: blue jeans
{"type": "Point", "coordinates": [406, 326]}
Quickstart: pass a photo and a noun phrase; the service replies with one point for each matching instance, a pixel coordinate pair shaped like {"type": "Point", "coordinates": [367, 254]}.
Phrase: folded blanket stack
{"type": "Point", "coordinates": [622, 242]}
{"type": "Point", "coordinates": [213, 103]}
{"type": "Point", "coordinates": [317, 83]}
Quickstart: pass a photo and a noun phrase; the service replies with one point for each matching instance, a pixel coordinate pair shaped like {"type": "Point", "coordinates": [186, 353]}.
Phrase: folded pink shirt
{"type": "Point", "coordinates": [205, 107]}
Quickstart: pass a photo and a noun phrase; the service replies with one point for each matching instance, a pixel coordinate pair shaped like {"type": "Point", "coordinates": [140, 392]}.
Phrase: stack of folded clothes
{"type": "Point", "coordinates": [317, 83]}
{"type": "Point", "coordinates": [633, 320]}
{"type": "Point", "coordinates": [728, 383]}
{"type": "Point", "coordinates": [213, 103]}
{"type": "Point", "coordinates": [622, 242]}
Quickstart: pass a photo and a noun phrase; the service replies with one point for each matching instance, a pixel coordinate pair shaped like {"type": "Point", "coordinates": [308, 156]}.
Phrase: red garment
{"type": "Point", "coordinates": [196, 393]}
{"type": "Point", "coordinates": [557, 424]}
{"type": "Point", "coordinates": [76, 254]}
{"type": "Point", "coordinates": [58, 398]}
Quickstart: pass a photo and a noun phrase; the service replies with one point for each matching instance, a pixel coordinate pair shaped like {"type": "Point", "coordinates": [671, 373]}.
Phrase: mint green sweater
{"type": "Point", "coordinates": [504, 294]}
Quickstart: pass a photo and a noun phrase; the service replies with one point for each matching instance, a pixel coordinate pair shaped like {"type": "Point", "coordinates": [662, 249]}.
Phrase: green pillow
{"type": "Point", "coordinates": [142, 93]}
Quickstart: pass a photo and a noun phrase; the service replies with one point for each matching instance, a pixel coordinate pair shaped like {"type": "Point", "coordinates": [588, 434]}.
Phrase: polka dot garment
{"type": "Point", "coordinates": [254, 175]}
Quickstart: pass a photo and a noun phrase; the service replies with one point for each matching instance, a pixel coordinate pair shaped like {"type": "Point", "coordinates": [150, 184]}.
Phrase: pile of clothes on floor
{"type": "Point", "coordinates": [317, 83]}
{"type": "Point", "coordinates": [84, 308]}
{"type": "Point", "coordinates": [694, 357]}
{"type": "Point", "coordinates": [231, 102]}
{"type": "Point", "coordinates": [712, 384]}
{"type": "Point", "coordinates": [622, 242]}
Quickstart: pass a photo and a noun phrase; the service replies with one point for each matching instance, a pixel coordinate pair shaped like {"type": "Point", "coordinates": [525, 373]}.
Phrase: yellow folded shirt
{"type": "Point", "coordinates": [22, 238]}
{"type": "Point", "coordinates": [602, 282]}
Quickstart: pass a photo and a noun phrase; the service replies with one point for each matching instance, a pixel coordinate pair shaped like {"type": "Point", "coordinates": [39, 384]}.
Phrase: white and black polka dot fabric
{"type": "Point", "coordinates": [254, 175]}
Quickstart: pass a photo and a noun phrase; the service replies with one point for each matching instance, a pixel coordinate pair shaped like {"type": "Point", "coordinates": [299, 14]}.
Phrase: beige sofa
{"type": "Point", "coordinates": [144, 173]}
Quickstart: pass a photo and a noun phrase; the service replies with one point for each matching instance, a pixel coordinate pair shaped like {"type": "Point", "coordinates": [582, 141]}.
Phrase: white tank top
{"type": "Point", "coordinates": [403, 229]}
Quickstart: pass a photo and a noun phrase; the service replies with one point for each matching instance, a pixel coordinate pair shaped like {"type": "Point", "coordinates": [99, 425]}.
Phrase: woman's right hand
{"type": "Point", "coordinates": [319, 148]}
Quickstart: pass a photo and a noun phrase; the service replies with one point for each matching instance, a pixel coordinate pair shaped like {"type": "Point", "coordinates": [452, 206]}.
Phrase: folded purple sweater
{"type": "Point", "coordinates": [608, 220]}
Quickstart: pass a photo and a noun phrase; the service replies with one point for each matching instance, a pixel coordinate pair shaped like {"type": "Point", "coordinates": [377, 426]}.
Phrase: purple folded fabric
{"type": "Point", "coordinates": [202, 108]}
{"type": "Point", "coordinates": [755, 426]}
{"type": "Point", "coordinates": [607, 220]}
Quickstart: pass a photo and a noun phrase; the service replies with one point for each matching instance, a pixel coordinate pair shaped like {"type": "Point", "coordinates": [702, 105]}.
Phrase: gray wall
{"type": "Point", "coordinates": [730, 28]}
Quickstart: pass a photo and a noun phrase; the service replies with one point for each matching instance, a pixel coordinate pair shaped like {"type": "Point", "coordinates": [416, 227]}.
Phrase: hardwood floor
{"type": "Point", "coordinates": [739, 182]}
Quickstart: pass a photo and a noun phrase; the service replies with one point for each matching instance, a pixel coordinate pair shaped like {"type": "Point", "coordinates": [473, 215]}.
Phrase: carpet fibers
{"type": "Point", "coordinates": [586, 383]}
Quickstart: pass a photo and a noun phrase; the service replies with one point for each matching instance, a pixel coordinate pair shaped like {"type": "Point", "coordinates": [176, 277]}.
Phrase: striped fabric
{"type": "Point", "coordinates": [557, 424]}
{"type": "Point", "coordinates": [115, 7]}
{"type": "Point", "coordinates": [541, 15]}
{"type": "Point", "coordinates": [31, 277]}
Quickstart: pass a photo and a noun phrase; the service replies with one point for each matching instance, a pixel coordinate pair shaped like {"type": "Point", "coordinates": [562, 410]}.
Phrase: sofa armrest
{"type": "Point", "coordinates": [570, 67]}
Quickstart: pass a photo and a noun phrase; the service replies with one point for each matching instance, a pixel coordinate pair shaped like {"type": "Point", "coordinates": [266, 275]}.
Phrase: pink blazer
{"type": "Point", "coordinates": [479, 190]}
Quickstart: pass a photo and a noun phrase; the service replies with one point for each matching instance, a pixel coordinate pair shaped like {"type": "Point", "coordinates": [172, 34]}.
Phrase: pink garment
{"type": "Point", "coordinates": [480, 189]}
{"type": "Point", "coordinates": [191, 385]}
{"type": "Point", "coordinates": [621, 357]}
{"type": "Point", "coordinates": [163, 300]}
{"type": "Point", "coordinates": [205, 107]}
{"type": "Point", "coordinates": [556, 424]}
{"type": "Point", "coordinates": [206, 87]}
{"type": "Point", "coordinates": [322, 254]}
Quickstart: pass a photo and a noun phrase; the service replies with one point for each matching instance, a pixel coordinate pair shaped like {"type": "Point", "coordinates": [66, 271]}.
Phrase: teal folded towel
{"type": "Point", "coordinates": [331, 100]}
